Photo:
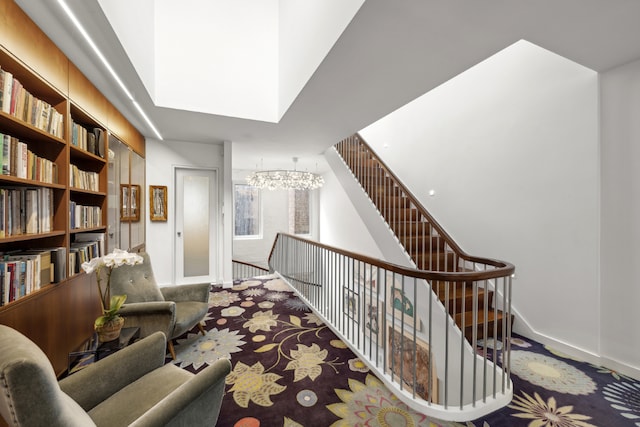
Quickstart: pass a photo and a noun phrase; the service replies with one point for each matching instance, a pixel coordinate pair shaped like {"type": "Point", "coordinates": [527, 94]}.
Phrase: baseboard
{"type": "Point", "coordinates": [522, 327]}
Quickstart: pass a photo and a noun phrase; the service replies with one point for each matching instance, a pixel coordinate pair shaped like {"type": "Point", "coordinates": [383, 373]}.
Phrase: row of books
{"type": "Point", "coordinates": [25, 210]}
{"type": "Point", "coordinates": [17, 160]}
{"type": "Point", "coordinates": [91, 140]}
{"type": "Point", "coordinates": [81, 216]}
{"type": "Point", "coordinates": [23, 272]}
{"type": "Point", "coordinates": [85, 247]}
{"type": "Point", "coordinates": [84, 180]}
{"type": "Point", "coordinates": [20, 103]}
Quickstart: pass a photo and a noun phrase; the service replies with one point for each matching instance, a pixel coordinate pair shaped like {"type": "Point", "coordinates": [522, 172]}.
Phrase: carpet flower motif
{"type": "Point", "coordinates": [520, 342]}
{"type": "Point", "coordinates": [222, 298]}
{"type": "Point", "coordinates": [313, 318]}
{"type": "Point", "coordinates": [266, 304]}
{"type": "Point", "coordinates": [307, 398]}
{"type": "Point", "coordinates": [550, 373]}
{"type": "Point", "coordinates": [306, 362]}
{"type": "Point", "coordinates": [277, 285]}
{"type": "Point", "coordinates": [254, 292]}
{"type": "Point", "coordinates": [358, 365]}
{"type": "Point", "coordinates": [198, 350]}
{"type": "Point", "coordinates": [560, 353]}
{"type": "Point", "coordinates": [232, 311]}
{"type": "Point", "coordinates": [547, 414]}
{"type": "Point", "coordinates": [372, 404]}
{"type": "Point", "coordinates": [262, 320]}
{"type": "Point", "coordinates": [625, 397]}
{"type": "Point", "coordinates": [250, 383]}
{"type": "Point", "coordinates": [296, 304]}
{"type": "Point", "coordinates": [276, 296]}
{"type": "Point", "coordinates": [615, 374]}
{"type": "Point", "coordinates": [251, 283]}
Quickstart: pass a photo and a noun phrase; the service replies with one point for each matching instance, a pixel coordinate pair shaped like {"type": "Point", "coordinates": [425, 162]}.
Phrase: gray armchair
{"type": "Point", "coordinates": [132, 387]}
{"type": "Point", "coordinates": [172, 310]}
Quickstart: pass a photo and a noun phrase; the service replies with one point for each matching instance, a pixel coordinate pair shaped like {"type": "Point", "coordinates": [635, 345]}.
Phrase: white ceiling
{"type": "Point", "coordinates": [389, 54]}
{"type": "Point", "coordinates": [238, 58]}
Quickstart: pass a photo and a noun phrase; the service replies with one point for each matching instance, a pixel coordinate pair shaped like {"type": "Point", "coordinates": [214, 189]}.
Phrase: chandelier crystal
{"type": "Point", "coordinates": [285, 179]}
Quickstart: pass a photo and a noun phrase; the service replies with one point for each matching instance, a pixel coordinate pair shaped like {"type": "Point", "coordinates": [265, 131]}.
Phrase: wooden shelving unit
{"type": "Point", "coordinates": [58, 317]}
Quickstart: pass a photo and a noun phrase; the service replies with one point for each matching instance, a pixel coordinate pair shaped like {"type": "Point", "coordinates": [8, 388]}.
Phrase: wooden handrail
{"type": "Point", "coordinates": [502, 268]}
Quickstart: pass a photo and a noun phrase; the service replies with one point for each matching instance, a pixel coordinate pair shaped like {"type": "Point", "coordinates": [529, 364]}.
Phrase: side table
{"type": "Point", "coordinates": [93, 350]}
{"type": "Point", "coordinates": [127, 336]}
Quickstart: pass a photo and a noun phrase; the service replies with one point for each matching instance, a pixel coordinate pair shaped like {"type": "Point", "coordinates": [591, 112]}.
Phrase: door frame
{"type": "Point", "coordinates": [217, 246]}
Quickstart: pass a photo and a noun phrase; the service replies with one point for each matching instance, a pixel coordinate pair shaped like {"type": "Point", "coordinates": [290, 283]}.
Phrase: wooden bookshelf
{"type": "Point", "coordinates": [58, 317]}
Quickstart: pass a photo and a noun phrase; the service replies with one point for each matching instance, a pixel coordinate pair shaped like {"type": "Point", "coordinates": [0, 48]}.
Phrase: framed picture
{"type": "Point", "coordinates": [351, 304]}
{"type": "Point", "coordinates": [129, 202]}
{"type": "Point", "coordinates": [412, 363]}
{"type": "Point", "coordinates": [158, 202]}
{"type": "Point", "coordinates": [373, 319]}
{"type": "Point", "coordinates": [401, 306]}
{"type": "Point", "coordinates": [368, 277]}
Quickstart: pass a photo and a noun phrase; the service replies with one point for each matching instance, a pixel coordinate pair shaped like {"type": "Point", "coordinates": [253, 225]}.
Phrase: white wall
{"type": "Point", "coordinates": [161, 158]}
{"type": "Point", "coordinates": [307, 31]}
{"type": "Point", "coordinates": [620, 222]}
{"type": "Point", "coordinates": [511, 149]}
{"type": "Point", "coordinates": [340, 224]}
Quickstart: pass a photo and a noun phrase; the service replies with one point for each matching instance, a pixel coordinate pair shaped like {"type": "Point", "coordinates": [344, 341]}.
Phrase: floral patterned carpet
{"type": "Point", "coordinates": [290, 370]}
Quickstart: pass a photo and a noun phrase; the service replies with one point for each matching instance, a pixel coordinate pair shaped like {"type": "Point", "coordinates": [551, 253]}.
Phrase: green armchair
{"type": "Point", "coordinates": [172, 310]}
{"type": "Point", "coordinates": [132, 387]}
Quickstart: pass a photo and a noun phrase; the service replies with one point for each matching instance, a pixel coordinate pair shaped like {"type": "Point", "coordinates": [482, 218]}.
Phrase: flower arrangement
{"type": "Point", "coordinates": [110, 304]}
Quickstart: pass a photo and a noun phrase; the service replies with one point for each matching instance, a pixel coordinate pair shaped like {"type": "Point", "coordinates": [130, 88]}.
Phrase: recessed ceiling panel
{"type": "Point", "coordinates": [240, 58]}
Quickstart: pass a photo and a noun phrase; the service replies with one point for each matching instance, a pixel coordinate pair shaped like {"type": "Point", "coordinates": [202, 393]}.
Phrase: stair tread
{"type": "Point", "coordinates": [492, 316]}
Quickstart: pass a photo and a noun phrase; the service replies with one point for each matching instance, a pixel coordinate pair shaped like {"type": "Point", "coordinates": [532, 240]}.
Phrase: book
{"type": "Point", "coordinates": [99, 238]}
{"type": "Point", "coordinates": [6, 97]}
{"type": "Point", "coordinates": [99, 147]}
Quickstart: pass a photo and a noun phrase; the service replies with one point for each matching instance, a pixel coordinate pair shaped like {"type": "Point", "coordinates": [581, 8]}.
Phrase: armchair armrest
{"type": "Point", "coordinates": [102, 379]}
{"type": "Point", "coordinates": [150, 316]}
{"type": "Point", "coordinates": [196, 292]}
{"type": "Point", "coordinates": [196, 402]}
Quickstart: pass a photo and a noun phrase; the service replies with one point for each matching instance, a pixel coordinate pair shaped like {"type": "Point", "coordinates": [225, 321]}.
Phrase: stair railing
{"type": "Point", "coordinates": [390, 317]}
{"type": "Point", "coordinates": [428, 244]}
{"type": "Point", "coordinates": [242, 270]}
{"type": "Point", "coordinates": [425, 241]}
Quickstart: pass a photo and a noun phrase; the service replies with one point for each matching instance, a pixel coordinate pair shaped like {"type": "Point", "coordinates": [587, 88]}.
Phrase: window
{"type": "Point", "coordinates": [247, 211]}
{"type": "Point", "coordinates": [299, 212]}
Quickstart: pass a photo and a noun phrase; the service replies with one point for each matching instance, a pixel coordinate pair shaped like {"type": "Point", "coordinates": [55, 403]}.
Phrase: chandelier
{"type": "Point", "coordinates": [285, 179]}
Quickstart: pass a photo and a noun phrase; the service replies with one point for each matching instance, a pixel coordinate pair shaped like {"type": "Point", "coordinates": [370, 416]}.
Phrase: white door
{"type": "Point", "coordinates": [196, 225]}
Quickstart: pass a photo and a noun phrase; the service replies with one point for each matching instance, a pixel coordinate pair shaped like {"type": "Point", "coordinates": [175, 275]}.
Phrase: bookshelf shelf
{"type": "Point", "coordinates": [15, 181]}
{"type": "Point", "coordinates": [12, 124]}
{"type": "Point", "coordinates": [86, 229]}
{"type": "Point", "coordinates": [32, 236]}
{"type": "Point", "coordinates": [87, 192]}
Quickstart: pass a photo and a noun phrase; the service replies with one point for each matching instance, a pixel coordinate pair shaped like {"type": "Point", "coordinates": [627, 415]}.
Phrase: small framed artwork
{"type": "Point", "coordinates": [124, 202]}
{"type": "Point", "coordinates": [158, 202]}
{"type": "Point", "coordinates": [412, 363]}
{"type": "Point", "coordinates": [351, 304]}
{"type": "Point", "coordinates": [368, 278]}
{"type": "Point", "coordinates": [400, 306]}
{"type": "Point", "coordinates": [129, 202]}
{"type": "Point", "coordinates": [373, 319]}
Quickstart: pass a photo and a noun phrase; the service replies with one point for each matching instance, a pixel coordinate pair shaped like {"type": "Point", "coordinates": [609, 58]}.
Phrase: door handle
{"type": "Point", "coordinates": [179, 233]}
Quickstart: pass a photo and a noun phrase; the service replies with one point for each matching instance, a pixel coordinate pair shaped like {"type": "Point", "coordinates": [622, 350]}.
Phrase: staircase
{"type": "Point", "coordinates": [429, 247]}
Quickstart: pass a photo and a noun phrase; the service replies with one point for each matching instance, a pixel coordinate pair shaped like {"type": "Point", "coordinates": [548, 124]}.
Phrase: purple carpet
{"type": "Point", "coordinates": [289, 369]}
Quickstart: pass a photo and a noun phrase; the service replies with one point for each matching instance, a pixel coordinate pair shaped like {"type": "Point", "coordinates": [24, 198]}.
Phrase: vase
{"type": "Point", "coordinates": [111, 330]}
